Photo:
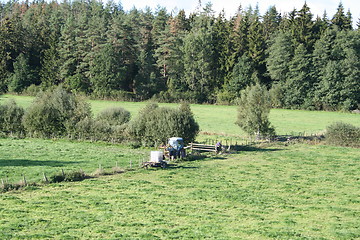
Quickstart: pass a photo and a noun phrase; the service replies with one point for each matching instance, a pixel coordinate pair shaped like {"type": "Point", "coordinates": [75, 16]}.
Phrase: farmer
{"type": "Point", "coordinates": [218, 147]}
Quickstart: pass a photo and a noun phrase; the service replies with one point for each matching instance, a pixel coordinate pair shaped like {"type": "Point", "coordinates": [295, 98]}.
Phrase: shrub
{"type": "Point", "coordinates": [154, 125]}
{"type": "Point", "coordinates": [253, 112]}
{"type": "Point", "coordinates": [57, 178]}
{"type": "Point", "coordinates": [343, 134]}
{"type": "Point", "coordinates": [114, 116]}
{"type": "Point", "coordinates": [118, 95]}
{"type": "Point", "coordinates": [55, 113]}
{"type": "Point", "coordinates": [32, 90]}
{"type": "Point", "coordinates": [11, 118]}
{"type": "Point", "coordinates": [68, 177]}
{"type": "Point", "coordinates": [102, 131]}
{"type": "Point", "coordinates": [75, 176]}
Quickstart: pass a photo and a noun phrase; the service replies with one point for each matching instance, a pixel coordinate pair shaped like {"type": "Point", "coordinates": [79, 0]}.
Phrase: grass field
{"type": "Point", "coordinates": [34, 157]}
{"type": "Point", "coordinates": [276, 191]}
{"type": "Point", "coordinates": [220, 120]}
{"type": "Point", "coordinates": [270, 192]}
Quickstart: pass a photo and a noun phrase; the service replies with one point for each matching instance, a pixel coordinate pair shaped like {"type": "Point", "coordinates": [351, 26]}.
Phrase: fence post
{"type": "Point", "coordinates": [25, 183]}
{"type": "Point", "coordinates": [45, 178]}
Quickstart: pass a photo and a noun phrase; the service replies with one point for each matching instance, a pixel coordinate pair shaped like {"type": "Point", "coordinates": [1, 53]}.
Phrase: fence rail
{"type": "Point", "coordinates": [202, 147]}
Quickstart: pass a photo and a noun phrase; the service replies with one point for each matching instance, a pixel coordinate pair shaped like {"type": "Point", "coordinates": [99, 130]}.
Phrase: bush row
{"type": "Point", "coordinates": [60, 114]}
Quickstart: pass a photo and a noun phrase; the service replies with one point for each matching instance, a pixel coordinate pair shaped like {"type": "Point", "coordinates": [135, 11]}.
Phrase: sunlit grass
{"type": "Point", "coordinates": [274, 192]}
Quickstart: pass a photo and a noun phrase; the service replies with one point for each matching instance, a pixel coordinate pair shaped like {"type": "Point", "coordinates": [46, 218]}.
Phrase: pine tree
{"type": "Point", "coordinates": [341, 21]}
{"type": "Point", "coordinates": [178, 28]}
{"type": "Point", "coordinates": [280, 54]}
{"type": "Point", "coordinates": [256, 49]}
{"type": "Point", "coordinates": [222, 49]}
{"type": "Point", "coordinates": [122, 35]}
{"type": "Point", "coordinates": [163, 45]}
{"type": "Point", "coordinates": [303, 31]}
{"type": "Point", "coordinates": [241, 24]}
{"type": "Point", "coordinates": [198, 59]}
{"type": "Point", "coordinates": [299, 83]}
{"type": "Point", "coordinates": [49, 74]}
{"type": "Point", "coordinates": [338, 86]}
{"type": "Point", "coordinates": [106, 72]}
{"type": "Point", "coordinates": [271, 22]}
{"type": "Point", "coordinates": [23, 75]}
{"type": "Point", "coordinates": [322, 55]}
{"type": "Point", "coordinates": [242, 77]}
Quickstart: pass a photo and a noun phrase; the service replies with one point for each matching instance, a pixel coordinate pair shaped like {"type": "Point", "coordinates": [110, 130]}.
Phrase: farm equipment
{"type": "Point", "coordinates": [156, 160]}
{"type": "Point", "coordinates": [175, 148]}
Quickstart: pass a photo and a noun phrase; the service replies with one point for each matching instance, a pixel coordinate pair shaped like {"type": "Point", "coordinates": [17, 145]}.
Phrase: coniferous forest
{"type": "Point", "coordinates": [98, 49]}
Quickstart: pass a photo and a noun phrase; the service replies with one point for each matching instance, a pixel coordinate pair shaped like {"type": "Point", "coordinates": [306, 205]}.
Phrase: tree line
{"type": "Point", "coordinates": [100, 50]}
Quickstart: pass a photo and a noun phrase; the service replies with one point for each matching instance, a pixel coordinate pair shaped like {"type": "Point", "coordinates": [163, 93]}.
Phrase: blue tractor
{"type": "Point", "coordinates": [175, 148]}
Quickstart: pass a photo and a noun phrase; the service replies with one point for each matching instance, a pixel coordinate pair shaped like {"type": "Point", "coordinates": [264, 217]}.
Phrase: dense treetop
{"type": "Point", "coordinates": [101, 50]}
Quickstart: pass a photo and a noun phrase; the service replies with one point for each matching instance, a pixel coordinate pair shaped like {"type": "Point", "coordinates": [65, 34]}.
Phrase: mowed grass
{"type": "Point", "coordinates": [36, 157]}
{"type": "Point", "coordinates": [220, 120]}
{"type": "Point", "coordinates": [267, 192]}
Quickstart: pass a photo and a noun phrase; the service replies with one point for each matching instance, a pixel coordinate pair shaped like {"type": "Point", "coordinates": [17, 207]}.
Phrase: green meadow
{"type": "Point", "coordinates": [266, 192]}
{"type": "Point", "coordinates": [34, 157]}
{"type": "Point", "coordinates": [263, 191]}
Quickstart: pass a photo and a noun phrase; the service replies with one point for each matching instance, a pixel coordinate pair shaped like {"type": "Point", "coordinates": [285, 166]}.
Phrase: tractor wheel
{"type": "Point", "coordinates": [163, 164]}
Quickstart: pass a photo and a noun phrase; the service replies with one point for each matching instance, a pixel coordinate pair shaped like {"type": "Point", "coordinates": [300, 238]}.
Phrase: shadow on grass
{"type": "Point", "coordinates": [30, 163]}
{"type": "Point", "coordinates": [174, 166]}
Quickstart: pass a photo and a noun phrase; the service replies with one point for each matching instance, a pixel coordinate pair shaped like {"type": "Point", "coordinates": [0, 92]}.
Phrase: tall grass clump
{"type": "Point", "coordinates": [343, 134]}
{"type": "Point", "coordinates": [11, 119]}
{"type": "Point", "coordinates": [154, 125]}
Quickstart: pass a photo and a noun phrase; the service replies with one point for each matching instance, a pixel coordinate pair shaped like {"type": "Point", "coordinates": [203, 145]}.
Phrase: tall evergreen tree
{"type": "Point", "coordinates": [23, 74]}
{"type": "Point", "coordinates": [304, 27]}
{"type": "Point", "coordinates": [299, 83]}
{"type": "Point", "coordinates": [256, 49]}
{"type": "Point", "coordinates": [222, 49]}
{"type": "Point", "coordinates": [271, 22]}
{"type": "Point", "coordinates": [242, 77]}
{"type": "Point", "coordinates": [340, 20]}
{"type": "Point", "coordinates": [280, 54]}
{"type": "Point", "coordinates": [198, 59]}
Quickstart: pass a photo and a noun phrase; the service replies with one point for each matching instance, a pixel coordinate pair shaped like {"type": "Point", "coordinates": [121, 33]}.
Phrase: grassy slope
{"type": "Point", "coordinates": [293, 192]}
{"type": "Point", "coordinates": [221, 119]}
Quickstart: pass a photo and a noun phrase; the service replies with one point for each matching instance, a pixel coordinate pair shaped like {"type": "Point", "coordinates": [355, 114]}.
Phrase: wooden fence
{"type": "Point", "coordinates": [202, 147]}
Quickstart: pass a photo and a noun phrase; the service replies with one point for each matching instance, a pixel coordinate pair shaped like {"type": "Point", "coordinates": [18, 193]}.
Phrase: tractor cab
{"type": "Point", "coordinates": [175, 148]}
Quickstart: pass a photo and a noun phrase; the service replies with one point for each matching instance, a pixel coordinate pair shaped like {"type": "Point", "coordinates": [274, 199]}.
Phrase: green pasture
{"type": "Point", "coordinates": [220, 120]}
{"type": "Point", "coordinates": [34, 157]}
{"type": "Point", "coordinates": [263, 192]}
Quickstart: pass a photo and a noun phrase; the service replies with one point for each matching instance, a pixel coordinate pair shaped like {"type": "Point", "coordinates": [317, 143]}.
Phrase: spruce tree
{"type": "Point", "coordinates": [198, 59]}
{"type": "Point", "coordinates": [299, 83]}
{"type": "Point", "coordinates": [280, 53]}
{"type": "Point", "coordinates": [242, 77]}
{"type": "Point", "coordinates": [23, 75]}
{"type": "Point", "coordinates": [340, 20]}
{"type": "Point", "coordinates": [271, 22]}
